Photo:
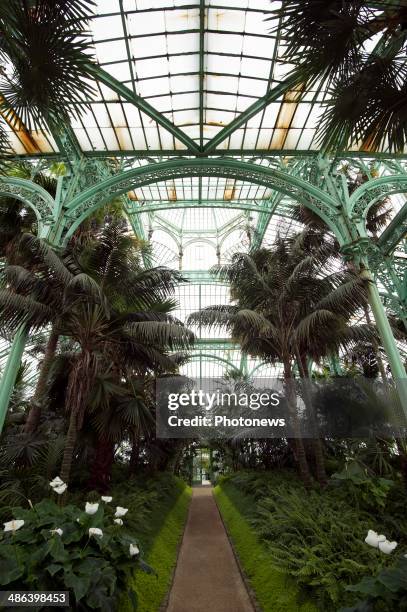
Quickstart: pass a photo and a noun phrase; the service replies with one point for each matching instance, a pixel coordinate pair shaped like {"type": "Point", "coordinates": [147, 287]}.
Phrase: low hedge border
{"type": "Point", "coordinates": [160, 551]}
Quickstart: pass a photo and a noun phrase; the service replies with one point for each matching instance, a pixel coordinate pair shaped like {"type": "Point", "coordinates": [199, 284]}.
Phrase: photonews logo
{"type": "Point", "coordinates": [212, 408]}
{"type": "Point", "coordinates": [271, 408]}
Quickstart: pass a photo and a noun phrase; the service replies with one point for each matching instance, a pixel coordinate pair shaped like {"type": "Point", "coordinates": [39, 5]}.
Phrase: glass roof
{"type": "Point", "coordinates": [198, 65]}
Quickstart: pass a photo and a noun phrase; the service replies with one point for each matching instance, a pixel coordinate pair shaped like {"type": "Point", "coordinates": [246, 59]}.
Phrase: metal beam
{"type": "Point", "coordinates": [201, 69]}
{"type": "Point", "coordinates": [264, 220]}
{"type": "Point", "coordinates": [394, 232]}
{"type": "Point", "coordinates": [202, 277]}
{"type": "Point", "coordinates": [180, 204]}
{"type": "Point", "coordinates": [237, 153]}
{"type": "Point", "coordinates": [103, 77]}
{"type": "Point", "coordinates": [252, 110]}
{"type": "Point", "coordinates": [67, 142]}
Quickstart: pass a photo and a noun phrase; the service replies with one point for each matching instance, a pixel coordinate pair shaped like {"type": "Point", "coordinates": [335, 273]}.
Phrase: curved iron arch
{"type": "Point", "coordinates": [211, 357]}
{"type": "Point", "coordinates": [365, 196]}
{"type": "Point", "coordinates": [320, 202]}
{"type": "Point", "coordinates": [32, 195]}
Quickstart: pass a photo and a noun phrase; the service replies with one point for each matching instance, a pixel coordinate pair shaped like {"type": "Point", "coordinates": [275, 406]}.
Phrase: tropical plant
{"type": "Point", "coordinates": [116, 313]}
{"type": "Point", "coordinates": [87, 552]}
{"type": "Point", "coordinates": [289, 305]}
{"type": "Point", "coordinates": [386, 591]}
{"type": "Point", "coordinates": [35, 294]}
{"type": "Point", "coordinates": [45, 57]}
{"type": "Point", "coordinates": [356, 50]}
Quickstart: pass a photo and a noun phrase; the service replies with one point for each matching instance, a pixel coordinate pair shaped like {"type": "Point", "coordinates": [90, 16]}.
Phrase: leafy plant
{"type": "Point", "coordinates": [366, 490]}
{"type": "Point", "coordinates": [387, 591]}
{"type": "Point", "coordinates": [49, 547]}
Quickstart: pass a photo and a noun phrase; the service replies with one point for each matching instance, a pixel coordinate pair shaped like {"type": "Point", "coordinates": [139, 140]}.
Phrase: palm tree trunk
{"type": "Point", "coordinates": [80, 382]}
{"type": "Point", "coordinates": [102, 465]}
{"type": "Point", "coordinates": [34, 415]}
{"type": "Point", "coordinates": [297, 442]}
{"type": "Point", "coordinates": [70, 443]}
{"type": "Point", "coordinates": [134, 455]}
{"type": "Point", "coordinates": [317, 448]}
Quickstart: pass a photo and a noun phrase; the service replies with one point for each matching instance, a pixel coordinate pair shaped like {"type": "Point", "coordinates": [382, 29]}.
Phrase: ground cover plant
{"type": "Point", "coordinates": [318, 537]}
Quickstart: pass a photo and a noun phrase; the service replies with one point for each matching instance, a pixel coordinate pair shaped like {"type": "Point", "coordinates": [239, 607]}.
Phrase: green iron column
{"type": "Point", "coordinates": [10, 371]}
{"type": "Point", "coordinates": [385, 331]}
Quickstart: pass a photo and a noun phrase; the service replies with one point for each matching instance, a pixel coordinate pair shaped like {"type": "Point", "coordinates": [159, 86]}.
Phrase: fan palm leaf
{"type": "Point", "coordinates": [44, 47]}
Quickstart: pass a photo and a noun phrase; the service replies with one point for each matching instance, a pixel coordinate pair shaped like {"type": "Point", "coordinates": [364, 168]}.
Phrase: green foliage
{"type": "Point", "coordinates": [356, 50]}
{"type": "Point", "coordinates": [385, 592]}
{"type": "Point", "coordinates": [274, 590]}
{"type": "Point", "coordinates": [317, 538]}
{"type": "Point", "coordinates": [94, 569]}
{"type": "Point", "coordinates": [318, 542]}
{"type": "Point", "coordinates": [366, 491]}
{"type": "Point", "coordinates": [27, 464]}
{"type": "Point", "coordinates": [45, 44]}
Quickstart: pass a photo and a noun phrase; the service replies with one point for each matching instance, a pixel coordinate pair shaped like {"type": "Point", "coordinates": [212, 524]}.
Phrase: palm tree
{"type": "Point", "coordinates": [356, 49]}
{"type": "Point", "coordinates": [126, 330]}
{"type": "Point", "coordinates": [45, 55]}
{"type": "Point", "coordinates": [288, 306]}
{"type": "Point", "coordinates": [35, 293]}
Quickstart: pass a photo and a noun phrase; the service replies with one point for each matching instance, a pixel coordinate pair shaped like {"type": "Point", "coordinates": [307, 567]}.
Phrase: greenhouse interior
{"type": "Point", "coordinates": [203, 305]}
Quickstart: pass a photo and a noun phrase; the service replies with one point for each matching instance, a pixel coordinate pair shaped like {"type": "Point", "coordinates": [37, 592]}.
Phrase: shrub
{"type": "Point", "coordinates": [367, 492]}
{"type": "Point", "coordinates": [49, 547]}
{"type": "Point", "coordinates": [385, 592]}
{"type": "Point", "coordinates": [317, 539]}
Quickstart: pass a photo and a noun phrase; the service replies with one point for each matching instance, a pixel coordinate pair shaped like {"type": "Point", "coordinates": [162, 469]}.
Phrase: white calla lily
{"type": "Point", "coordinates": [57, 531]}
{"type": "Point", "coordinates": [106, 498]}
{"type": "Point", "coordinates": [387, 547]}
{"type": "Point", "coordinates": [60, 489]}
{"type": "Point", "coordinates": [374, 538]}
{"type": "Point", "coordinates": [13, 525]}
{"type": "Point", "coordinates": [95, 531]}
{"type": "Point", "coordinates": [56, 482]}
{"type": "Point", "coordinates": [91, 508]}
{"type": "Point", "coordinates": [120, 511]}
{"type": "Point", "coordinates": [118, 521]}
{"type": "Point", "coordinates": [133, 550]}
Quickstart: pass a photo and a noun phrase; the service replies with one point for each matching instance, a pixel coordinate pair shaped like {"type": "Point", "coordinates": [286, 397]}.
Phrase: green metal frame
{"type": "Point", "coordinates": [316, 183]}
{"type": "Point", "coordinates": [124, 92]}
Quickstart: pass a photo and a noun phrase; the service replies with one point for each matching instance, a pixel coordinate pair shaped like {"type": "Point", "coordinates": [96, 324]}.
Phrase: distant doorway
{"type": "Point", "coordinates": [201, 468]}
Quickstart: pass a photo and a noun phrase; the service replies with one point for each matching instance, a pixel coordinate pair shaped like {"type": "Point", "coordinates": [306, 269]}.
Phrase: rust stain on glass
{"type": "Point", "coordinates": [286, 115]}
{"type": "Point", "coordinates": [21, 131]}
{"type": "Point", "coordinates": [230, 190]}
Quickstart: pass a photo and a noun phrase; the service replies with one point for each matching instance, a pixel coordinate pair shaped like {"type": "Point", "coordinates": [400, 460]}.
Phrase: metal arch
{"type": "Point", "coordinates": [198, 239]}
{"type": "Point", "coordinates": [18, 196]}
{"type": "Point", "coordinates": [211, 357]}
{"type": "Point", "coordinates": [236, 228]}
{"type": "Point", "coordinates": [31, 194]}
{"type": "Point", "coordinates": [394, 232]}
{"type": "Point", "coordinates": [363, 198]}
{"type": "Point", "coordinates": [260, 365]}
{"type": "Point", "coordinates": [161, 228]}
{"type": "Point", "coordinates": [304, 192]}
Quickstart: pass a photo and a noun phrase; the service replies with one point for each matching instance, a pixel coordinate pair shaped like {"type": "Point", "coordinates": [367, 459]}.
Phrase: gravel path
{"type": "Point", "coordinates": [207, 578]}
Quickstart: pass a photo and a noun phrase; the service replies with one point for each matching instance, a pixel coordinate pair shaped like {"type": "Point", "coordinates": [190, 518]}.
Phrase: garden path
{"type": "Point", "coordinates": [207, 578]}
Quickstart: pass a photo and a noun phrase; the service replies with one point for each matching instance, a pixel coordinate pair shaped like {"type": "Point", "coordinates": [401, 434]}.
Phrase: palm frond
{"type": "Point", "coordinates": [213, 316]}
{"type": "Point", "coordinates": [47, 255]}
{"type": "Point", "coordinates": [16, 310]}
{"type": "Point", "coordinates": [161, 333]}
{"type": "Point", "coordinates": [45, 43]}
